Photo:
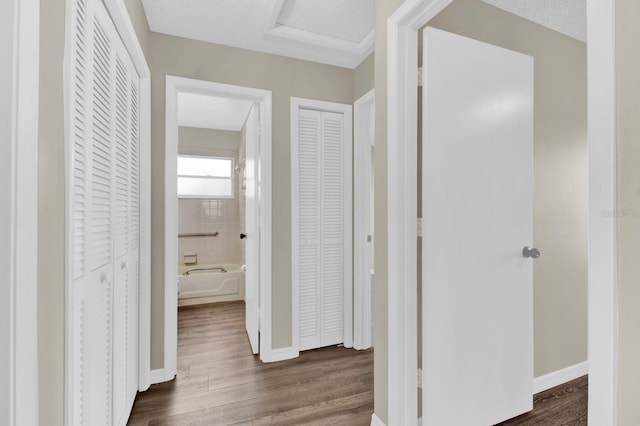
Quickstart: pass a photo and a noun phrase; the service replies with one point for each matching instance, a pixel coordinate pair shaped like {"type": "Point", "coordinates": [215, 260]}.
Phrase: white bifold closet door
{"type": "Point", "coordinates": [320, 271]}
{"type": "Point", "coordinates": [102, 237]}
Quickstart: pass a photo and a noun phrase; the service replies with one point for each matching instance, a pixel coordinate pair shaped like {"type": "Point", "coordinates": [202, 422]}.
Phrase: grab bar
{"type": "Point", "coordinates": [205, 268]}
{"type": "Point", "coordinates": [213, 234]}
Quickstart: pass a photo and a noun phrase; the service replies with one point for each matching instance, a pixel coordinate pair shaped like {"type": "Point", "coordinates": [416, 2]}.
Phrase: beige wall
{"type": "Point", "coordinates": [51, 195]}
{"type": "Point", "coordinates": [628, 135]}
{"type": "Point", "coordinates": [560, 173]}
{"type": "Point", "coordinates": [139, 21]}
{"type": "Point", "coordinates": [286, 77]}
{"type": "Point", "coordinates": [194, 140]}
{"type": "Point", "coordinates": [560, 202]}
{"type": "Point", "coordinates": [363, 79]}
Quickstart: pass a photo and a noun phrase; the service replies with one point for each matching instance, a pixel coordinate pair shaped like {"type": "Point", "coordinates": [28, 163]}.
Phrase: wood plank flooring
{"type": "Point", "coordinates": [564, 405]}
{"type": "Point", "coordinates": [220, 382]}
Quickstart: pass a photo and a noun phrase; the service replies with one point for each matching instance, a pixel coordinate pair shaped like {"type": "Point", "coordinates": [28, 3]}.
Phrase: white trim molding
{"type": "Point", "coordinates": [363, 140]}
{"type": "Point", "coordinates": [351, 53]}
{"type": "Point", "coordinates": [347, 110]}
{"type": "Point", "coordinates": [280, 354]}
{"type": "Point", "coordinates": [375, 420]}
{"type": "Point", "coordinates": [602, 267]}
{"type": "Point", "coordinates": [402, 181]}
{"type": "Point", "coordinates": [19, 100]}
{"type": "Point", "coordinates": [159, 376]}
{"type": "Point", "coordinates": [560, 377]}
{"type": "Point", "coordinates": [174, 86]}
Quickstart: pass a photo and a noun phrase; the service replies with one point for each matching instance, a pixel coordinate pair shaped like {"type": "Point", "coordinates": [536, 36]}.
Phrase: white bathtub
{"type": "Point", "coordinates": [210, 286]}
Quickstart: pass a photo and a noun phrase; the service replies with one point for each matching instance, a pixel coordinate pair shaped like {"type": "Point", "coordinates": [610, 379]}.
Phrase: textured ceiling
{"type": "Point", "coordinates": [210, 112]}
{"type": "Point", "coordinates": [568, 17]}
{"type": "Point", "coordinates": [335, 32]}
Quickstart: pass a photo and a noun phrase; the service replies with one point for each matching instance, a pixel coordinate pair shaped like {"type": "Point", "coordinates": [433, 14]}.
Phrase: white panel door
{"type": "Point", "coordinates": [477, 206]}
{"type": "Point", "coordinates": [320, 270]}
{"type": "Point", "coordinates": [252, 231]}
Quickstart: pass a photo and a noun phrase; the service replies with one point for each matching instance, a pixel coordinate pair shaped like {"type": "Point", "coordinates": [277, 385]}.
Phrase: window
{"type": "Point", "coordinates": [205, 177]}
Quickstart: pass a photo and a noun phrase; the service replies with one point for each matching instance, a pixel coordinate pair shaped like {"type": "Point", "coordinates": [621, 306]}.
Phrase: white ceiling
{"type": "Point", "coordinates": [210, 112]}
{"type": "Point", "coordinates": [335, 32]}
{"type": "Point", "coordinates": [568, 17]}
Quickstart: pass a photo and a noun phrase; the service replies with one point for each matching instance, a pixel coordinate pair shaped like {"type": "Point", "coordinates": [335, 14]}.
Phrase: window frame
{"type": "Point", "coordinates": [209, 196]}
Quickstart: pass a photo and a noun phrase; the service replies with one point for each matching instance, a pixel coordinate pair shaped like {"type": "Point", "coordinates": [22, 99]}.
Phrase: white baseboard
{"type": "Point", "coordinates": [280, 354]}
{"type": "Point", "coordinates": [159, 376]}
{"type": "Point", "coordinates": [559, 377]}
{"type": "Point", "coordinates": [540, 384]}
{"type": "Point", "coordinates": [375, 420]}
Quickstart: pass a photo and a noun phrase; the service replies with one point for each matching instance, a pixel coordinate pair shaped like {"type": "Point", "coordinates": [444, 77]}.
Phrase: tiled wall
{"type": "Point", "coordinates": [210, 215]}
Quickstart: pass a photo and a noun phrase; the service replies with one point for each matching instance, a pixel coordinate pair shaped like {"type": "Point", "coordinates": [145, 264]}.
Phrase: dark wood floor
{"type": "Point", "coordinates": [565, 405]}
{"type": "Point", "coordinates": [220, 382]}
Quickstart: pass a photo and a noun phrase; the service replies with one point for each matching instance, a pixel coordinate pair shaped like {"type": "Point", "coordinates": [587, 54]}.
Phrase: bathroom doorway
{"type": "Point", "coordinates": [217, 205]}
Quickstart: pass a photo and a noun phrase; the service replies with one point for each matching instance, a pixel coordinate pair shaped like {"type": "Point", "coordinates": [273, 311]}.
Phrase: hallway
{"type": "Point", "coordinates": [220, 382]}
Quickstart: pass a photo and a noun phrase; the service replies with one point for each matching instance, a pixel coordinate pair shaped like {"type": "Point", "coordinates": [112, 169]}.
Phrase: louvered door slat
{"type": "Point", "coordinates": [80, 56]}
{"type": "Point", "coordinates": [123, 124]}
{"type": "Point", "coordinates": [134, 234]}
{"type": "Point", "coordinates": [134, 166]}
{"type": "Point", "coordinates": [309, 228]}
{"type": "Point", "coordinates": [101, 190]}
{"type": "Point", "coordinates": [332, 228]}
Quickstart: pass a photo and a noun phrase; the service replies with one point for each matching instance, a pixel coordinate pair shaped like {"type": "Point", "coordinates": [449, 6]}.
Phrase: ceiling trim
{"type": "Point", "coordinates": [290, 37]}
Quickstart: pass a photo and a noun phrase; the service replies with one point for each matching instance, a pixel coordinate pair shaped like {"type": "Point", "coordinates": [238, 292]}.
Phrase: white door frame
{"type": "Point", "coordinates": [175, 85]}
{"type": "Point", "coordinates": [120, 17]}
{"type": "Point", "coordinates": [363, 140]}
{"type": "Point", "coordinates": [19, 100]}
{"type": "Point", "coordinates": [347, 110]}
{"type": "Point", "coordinates": [602, 266]}
{"type": "Point", "coordinates": [402, 42]}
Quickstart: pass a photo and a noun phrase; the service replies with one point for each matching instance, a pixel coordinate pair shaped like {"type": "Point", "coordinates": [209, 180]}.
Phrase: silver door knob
{"type": "Point", "coordinates": [531, 252]}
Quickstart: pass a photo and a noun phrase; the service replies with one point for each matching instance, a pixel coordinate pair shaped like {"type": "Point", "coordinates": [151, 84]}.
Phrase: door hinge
{"type": "Point", "coordinates": [419, 377]}
{"type": "Point", "coordinates": [419, 76]}
{"type": "Point", "coordinates": [419, 227]}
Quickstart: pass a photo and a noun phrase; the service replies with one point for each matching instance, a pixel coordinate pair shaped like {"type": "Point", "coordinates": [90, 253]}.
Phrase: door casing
{"type": "Point", "coordinates": [175, 85]}
{"type": "Point", "coordinates": [402, 41]}
{"type": "Point", "coordinates": [347, 111]}
{"type": "Point", "coordinates": [363, 141]}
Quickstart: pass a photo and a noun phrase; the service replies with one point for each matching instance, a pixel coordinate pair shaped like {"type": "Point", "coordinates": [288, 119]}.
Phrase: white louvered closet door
{"type": "Point", "coordinates": [320, 272]}
{"type": "Point", "coordinates": [103, 121]}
